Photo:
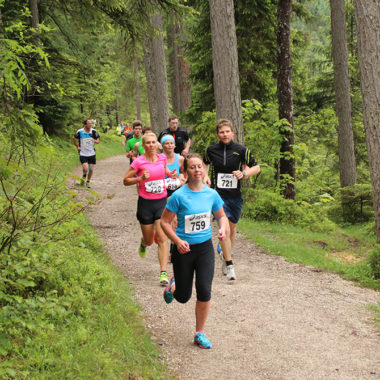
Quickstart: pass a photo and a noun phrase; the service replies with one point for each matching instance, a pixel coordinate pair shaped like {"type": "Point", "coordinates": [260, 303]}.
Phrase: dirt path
{"type": "Point", "coordinates": [278, 321]}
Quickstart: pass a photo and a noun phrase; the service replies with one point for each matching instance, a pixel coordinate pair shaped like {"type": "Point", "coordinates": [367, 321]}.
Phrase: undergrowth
{"type": "Point", "coordinates": [65, 311]}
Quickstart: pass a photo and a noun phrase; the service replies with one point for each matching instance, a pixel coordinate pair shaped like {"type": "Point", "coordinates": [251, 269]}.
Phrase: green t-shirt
{"type": "Point", "coordinates": [131, 144]}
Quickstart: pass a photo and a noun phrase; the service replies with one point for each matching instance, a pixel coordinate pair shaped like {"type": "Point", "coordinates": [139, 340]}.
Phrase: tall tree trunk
{"type": "Point", "coordinates": [172, 32]}
{"type": "Point", "coordinates": [367, 13]}
{"type": "Point", "coordinates": [155, 68]}
{"type": "Point", "coordinates": [180, 69]}
{"type": "Point", "coordinates": [285, 97]}
{"type": "Point", "coordinates": [347, 162]}
{"type": "Point", "coordinates": [225, 65]}
{"type": "Point", "coordinates": [137, 85]}
{"type": "Point", "coordinates": [34, 21]}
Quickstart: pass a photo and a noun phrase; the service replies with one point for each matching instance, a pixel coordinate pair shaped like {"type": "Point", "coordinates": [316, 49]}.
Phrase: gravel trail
{"type": "Point", "coordinates": [278, 321]}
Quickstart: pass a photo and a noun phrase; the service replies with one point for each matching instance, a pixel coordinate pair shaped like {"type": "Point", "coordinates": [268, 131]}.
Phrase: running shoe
{"type": "Point", "coordinates": [168, 295]}
{"type": "Point", "coordinates": [201, 340]}
{"type": "Point", "coordinates": [164, 279]}
{"type": "Point", "coordinates": [230, 272]}
{"type": "Point", "coordinates": [88, 184]}
{"type": "Point", "coordinates": [224, 265]}
{"type": "Point", "coordinates": [142, 250]}
{"type": "Point", "coordinates": [82, 181]}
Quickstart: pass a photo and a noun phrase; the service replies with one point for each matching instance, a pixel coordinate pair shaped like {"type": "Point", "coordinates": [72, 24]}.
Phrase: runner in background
{"type": "Point", "coordinates": [137, 137]}
{"type": "Point", "coordinates": [174, 161]}
{"type": "Point", "coordinates": [230, 163]}
{"type": "Point", "coordinates": [148, 171]}
{"type": "Point", "coordinates": [127, 133]}
{"type": "Point", "coordinates": [181, 137]}
{"type": "Point", "coordinates": [193, 204]}
{"type": "Point", "coordinates": [84, 140]}
{"type": "Point", "coordinates": [137, 150]}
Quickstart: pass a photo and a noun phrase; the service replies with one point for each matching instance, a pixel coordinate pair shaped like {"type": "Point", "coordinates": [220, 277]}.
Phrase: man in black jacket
{"type": "Point", "coordinates": [230, 163]}
{"type": "Point", "coordinates": [181, 137]}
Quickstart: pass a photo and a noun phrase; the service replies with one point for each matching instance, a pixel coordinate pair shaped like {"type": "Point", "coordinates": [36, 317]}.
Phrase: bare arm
{"type": "Point", "coordinates": [222, 222]}
{"type": "Point", "coordinates": [170, 174]}
{"type": "Point", "coordinates": [248, 171]}
{"type": "Point", "coordinates": [166, 220]}
{"type": "Point", "coordinates": [206, 178]}
{"type": "Point", "coordinates": [76, 143]}
{"type": "Point", "coordinates": [182, 176]}
{"type": "Point", "coordinates": [130, 179]}
{"type": "Point", "coordinates": [187, 147]}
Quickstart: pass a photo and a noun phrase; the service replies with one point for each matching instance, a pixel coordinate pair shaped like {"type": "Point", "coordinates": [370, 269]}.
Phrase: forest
{"type": "Point", "coordinates": [299, 79]}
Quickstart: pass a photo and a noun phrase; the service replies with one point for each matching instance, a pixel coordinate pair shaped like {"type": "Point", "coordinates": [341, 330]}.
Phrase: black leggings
{"type": "Point", "coordinates": [200, 260]}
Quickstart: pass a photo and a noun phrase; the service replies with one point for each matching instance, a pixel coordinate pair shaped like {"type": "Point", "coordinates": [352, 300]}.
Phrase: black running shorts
{"type": "Point", "coordinates": [149, 210]}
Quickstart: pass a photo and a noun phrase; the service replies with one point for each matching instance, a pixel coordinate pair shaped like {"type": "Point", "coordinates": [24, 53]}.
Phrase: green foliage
{"type": "Point", "coordinates": [262, 205]}
{"type": "Point", "coordinates": [374, 260]}
{"type": "Point", "coordinates": [64, 310]}
{"type": "Point", "coordinates": [255, 21]}
{"type": "Point", "coordinates": [354, 205]}
{"type": "Point", "coordinates": [204, 133]}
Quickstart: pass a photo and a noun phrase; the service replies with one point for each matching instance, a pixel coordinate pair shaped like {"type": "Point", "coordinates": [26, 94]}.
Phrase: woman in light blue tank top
{"type": "Point", "coordinates": [173, 161]}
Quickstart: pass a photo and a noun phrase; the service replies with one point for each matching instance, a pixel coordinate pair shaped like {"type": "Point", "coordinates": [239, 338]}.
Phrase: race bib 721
{"type": "Point", "coordinates": [226, 181]}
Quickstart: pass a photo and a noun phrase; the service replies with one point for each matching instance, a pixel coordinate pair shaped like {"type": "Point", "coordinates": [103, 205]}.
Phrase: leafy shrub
{"type": "Point", "coordinates": [264, 205]}
{"type": "Point", "coordinates": [353, 205]}
{"type": "Point", "coordinates": [374, 262]}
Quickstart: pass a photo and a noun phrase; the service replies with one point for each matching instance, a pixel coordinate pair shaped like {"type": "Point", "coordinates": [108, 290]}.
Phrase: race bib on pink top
{"type": "Point", "coordinates": [153, 187]}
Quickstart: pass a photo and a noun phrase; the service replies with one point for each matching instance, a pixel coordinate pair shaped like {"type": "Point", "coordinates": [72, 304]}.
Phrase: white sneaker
{"type": "Point", "coordinates": [230, 272]}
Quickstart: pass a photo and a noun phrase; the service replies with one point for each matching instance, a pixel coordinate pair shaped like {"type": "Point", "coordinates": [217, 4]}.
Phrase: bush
{"type": "Point", "coordinates": [264, 205]}
{"type": "Point", "coordinates": [355, 204]}
{"type": "Point", "coordinates": [374, 262]}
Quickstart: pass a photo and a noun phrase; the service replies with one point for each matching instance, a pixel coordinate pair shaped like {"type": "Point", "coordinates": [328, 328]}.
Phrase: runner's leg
{"type": "Point", "coordinates": [163, 249]}
{"type": "Point", "coordinates": [90, 171]}
{"type": "Point", "coordinates": [202, 310]}
{"type": "Point", "coordinates": [148, 233]}
{"type": "Point", "coordinates": [232, 232]}
{"type": "Point", "coordinates": [85, 168]}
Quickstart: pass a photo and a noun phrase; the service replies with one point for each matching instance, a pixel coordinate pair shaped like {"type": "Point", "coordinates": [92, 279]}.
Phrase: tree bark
{"type": "Point", "coordinates": [347, 161]}
{"type": "Point", "coordinates": [225, 65]}
{"type": "Point", "coordinates": [180, 69]}
{"type": "Point", "coordinates": [137, 86]}
{"type": "Point", "coordinates": [285, 97]}
{"type": "Point", "coordinates": [34, 20]}
{"type": "Point", "coordinates": [157, 84]}
{"type": "Point", "coordinates": [172, 32]}
{"type": "Point", "coordinates": [367, 13]}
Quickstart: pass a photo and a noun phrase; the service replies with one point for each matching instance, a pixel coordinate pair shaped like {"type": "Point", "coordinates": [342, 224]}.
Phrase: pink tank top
{"type": "Point", "coordinates": [154, 186]}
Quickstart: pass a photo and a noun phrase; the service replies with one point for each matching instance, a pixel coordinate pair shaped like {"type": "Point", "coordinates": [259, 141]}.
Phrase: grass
{"type": "Point", "coordinates": [343, 251]}
{"type": "Point", "coordinates": [84, 323]}
{"type": "Point", "coordinates": [102, 334]}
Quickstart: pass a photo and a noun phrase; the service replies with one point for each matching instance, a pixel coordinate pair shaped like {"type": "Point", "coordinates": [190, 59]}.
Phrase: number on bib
{"type": "Point", "coordinates": [197, 222]}
{"type": "Point", "coordinates": [155, 187]}
{"type": "Point", "coordinates": [87, 142]}
{"type": "Point", "coordinates": [172, 183]}
{"type": "Point", "coordinates": [226, 181]}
